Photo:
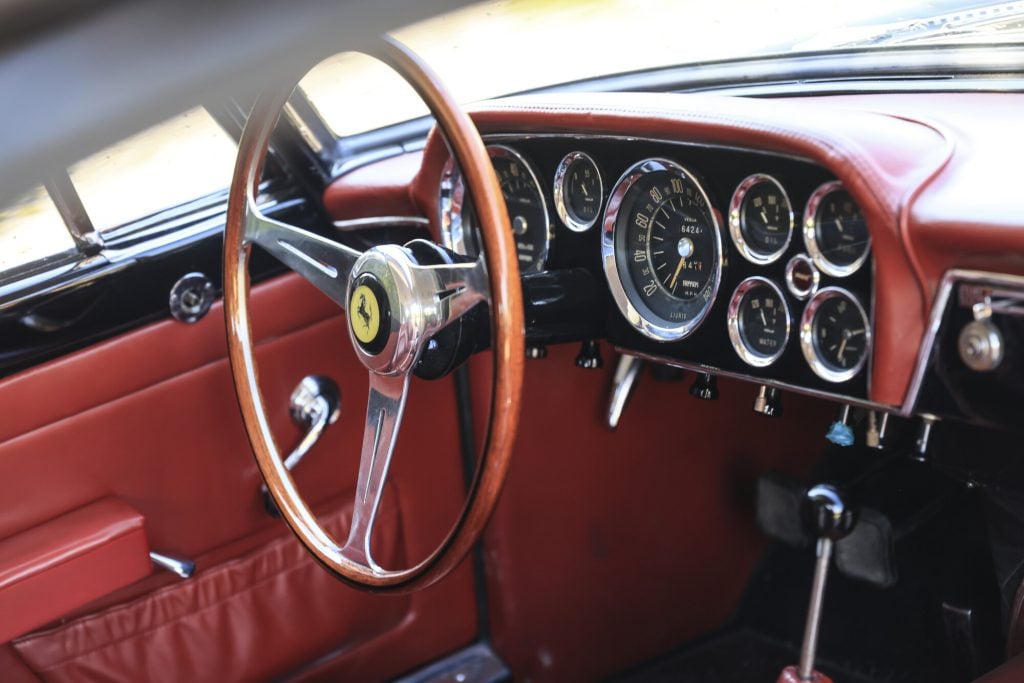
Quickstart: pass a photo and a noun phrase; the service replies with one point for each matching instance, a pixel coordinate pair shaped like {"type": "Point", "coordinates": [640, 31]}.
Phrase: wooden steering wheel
{"type": "Point", "coordinates": [395, 305]}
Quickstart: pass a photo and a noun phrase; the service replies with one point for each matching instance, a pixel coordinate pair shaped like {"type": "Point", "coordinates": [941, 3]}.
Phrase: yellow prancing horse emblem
{"type": "Point", "coordinates": [364, 314]}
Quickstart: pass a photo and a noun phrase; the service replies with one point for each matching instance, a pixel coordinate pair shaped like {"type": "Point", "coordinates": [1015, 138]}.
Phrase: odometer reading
{"type": "Point", "coordinates": [663, 246]}
{"type": "Point", "coordinates": [758, 321]}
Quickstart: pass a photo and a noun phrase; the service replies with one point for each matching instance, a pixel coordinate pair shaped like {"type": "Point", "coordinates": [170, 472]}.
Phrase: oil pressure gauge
{"type": "Point", "coordinates": [835, 334]}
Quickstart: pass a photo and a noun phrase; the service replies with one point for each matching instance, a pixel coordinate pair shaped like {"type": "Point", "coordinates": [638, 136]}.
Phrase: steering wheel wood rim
{"type": "Point", "coordinates": [498, 268]}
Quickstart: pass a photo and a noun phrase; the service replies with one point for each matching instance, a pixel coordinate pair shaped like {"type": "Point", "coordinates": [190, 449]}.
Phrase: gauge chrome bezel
{"type": "Point", "coordinates": [748, 355]}
{"type": "Point", "coordinates": [810, 230]}
{"type": "Point", "coordinates": [659, 330]}
{"type": "Point", "coordinates": [559, 192]}
{"type": "Point", "coordinates": [820, 367]}
{"type": "Point", "coordinates": [815, 277]}
{"type": "Point", "coordinates": [737, 220]}
{"type": "Point", "coordinates": [457, 231]}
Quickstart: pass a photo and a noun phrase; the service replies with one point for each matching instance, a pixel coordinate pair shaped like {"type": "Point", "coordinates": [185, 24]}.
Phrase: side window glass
{"type": "Point", "coordinates": [177, 161]}
{"type": "Point", "coordinates": [31, 229]}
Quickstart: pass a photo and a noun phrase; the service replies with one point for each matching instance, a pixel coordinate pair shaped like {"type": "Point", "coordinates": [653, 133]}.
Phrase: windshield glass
{"type": "Point", "coordinates": [505, 46]}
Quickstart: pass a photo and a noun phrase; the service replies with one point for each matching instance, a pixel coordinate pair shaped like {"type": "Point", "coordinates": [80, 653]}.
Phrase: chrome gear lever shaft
{"type": "Point", "coordinates": [830, 519]}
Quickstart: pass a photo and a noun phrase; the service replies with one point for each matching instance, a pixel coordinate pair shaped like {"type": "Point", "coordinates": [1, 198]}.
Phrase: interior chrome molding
{"type": "Point", "coordinates": [785, 386]}
{"type": "Point", "coordinates": [354, 224]}
{"type": "Point", "coordinates": [949, 280]}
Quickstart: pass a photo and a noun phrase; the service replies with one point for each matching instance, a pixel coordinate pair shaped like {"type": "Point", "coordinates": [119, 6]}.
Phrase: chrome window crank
{"type": "Point", "coordinates": [315, 405]}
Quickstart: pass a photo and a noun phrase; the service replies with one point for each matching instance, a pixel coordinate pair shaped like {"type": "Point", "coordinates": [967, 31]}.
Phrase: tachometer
{"type": "Point", "coordinates": [835, 232]}
{"type": "Point", "coordinates": [527, 209]}
{"type": "Point", "coordinates": [835, 334]}
{"type": "Point", "coordinates": [662, 249]}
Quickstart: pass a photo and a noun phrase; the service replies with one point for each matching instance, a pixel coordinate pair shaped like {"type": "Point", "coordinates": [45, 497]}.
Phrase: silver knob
{"type": "Point", "coordinates": [981, 345]}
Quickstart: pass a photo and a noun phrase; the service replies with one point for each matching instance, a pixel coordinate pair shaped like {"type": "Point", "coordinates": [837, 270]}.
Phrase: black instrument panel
{"type": "Point", "coordinates": [793, 305]}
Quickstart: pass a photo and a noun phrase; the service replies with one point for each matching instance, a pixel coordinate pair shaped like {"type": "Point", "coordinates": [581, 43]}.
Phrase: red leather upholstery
{"type": "Point", "coordinates": [151, 418]}
{"type": "Point", "coordinates": [68, 562]}
{"type": "Point", "coordinates": [245, 605]}
{"type": "Point", "coordinates": [610, 548]}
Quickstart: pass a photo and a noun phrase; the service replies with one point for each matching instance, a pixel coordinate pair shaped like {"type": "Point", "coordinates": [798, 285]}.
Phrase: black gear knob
{"type": "Point", "coordinates": [826, 513]}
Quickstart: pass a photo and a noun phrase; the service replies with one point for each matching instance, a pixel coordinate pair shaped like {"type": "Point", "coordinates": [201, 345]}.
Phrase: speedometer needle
{"type": "Point", "coordinates": [675, 275]}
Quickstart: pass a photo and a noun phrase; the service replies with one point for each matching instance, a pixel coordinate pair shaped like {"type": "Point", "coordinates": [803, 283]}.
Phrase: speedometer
{"type": "Point", "coordinates": [662, 249]}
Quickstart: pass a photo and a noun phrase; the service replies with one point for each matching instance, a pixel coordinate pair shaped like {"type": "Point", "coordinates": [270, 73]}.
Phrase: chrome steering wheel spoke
{"type": "Point", "coordinates": [324, 263]}
{"type": "Point", "coordinates": [384, 411]}
{"type": "Point", "coordinates": [458, 287]}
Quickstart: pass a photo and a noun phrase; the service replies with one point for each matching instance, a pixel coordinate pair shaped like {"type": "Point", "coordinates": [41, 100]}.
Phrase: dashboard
{"type": "Point", "coordinates": [712, 258]}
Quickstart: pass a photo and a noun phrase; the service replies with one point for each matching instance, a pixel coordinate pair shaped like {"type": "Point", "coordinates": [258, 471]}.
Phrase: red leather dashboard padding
{"type": "Point", "coordinates": [882, 159]}
{"type": "Point", "coordinates": [69, 561]}
{"type": "Point", "coordinates": [266, 614]}
{"type": "Point", "coordinates": [382, 188]}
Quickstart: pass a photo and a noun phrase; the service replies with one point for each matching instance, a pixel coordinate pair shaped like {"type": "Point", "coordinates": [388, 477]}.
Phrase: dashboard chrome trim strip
{"type": "Point", "coordinates": [796, 389]}
{"type": "Point", "coordinates": [950, 279]}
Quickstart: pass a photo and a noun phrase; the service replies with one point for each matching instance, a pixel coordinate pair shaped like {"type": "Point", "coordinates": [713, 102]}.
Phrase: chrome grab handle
{"type": "Point", "coordinates": [315, 404]}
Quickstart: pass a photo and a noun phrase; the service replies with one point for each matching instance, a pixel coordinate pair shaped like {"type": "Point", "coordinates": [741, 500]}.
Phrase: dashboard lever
{"type": "Point", "coordinates": [768, 402]}
{"type": "Point", "coordinates": [627, 372]}
{"type": "Point", "coordinates": [315, 405]}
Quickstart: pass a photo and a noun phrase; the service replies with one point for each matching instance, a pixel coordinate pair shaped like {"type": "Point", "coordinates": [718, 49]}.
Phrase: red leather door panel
{"type": "Point", "coordinates": [151, 419]}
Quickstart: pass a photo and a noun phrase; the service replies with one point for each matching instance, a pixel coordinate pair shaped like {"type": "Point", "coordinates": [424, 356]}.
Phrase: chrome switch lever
{"type": "Point", "coordinates": [830, 519]}
{"type": "Point", "coordinates": [627, 372]}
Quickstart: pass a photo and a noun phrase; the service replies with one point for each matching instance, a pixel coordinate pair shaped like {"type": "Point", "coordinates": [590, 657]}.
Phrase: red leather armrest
{"type": "Point", "coordinates": [69, 561]}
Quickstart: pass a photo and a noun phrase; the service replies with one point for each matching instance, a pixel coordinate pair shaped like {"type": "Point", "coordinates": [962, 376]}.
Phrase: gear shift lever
{"type": "Point", "coordinates": [829, 519]}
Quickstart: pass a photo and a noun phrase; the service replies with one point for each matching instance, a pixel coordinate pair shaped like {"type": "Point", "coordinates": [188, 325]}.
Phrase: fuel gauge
{"type": "Point", "coordinates": [578, 191]}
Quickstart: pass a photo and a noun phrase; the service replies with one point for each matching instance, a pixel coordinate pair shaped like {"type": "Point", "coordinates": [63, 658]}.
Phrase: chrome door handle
{"type": "Point", "coordinates": [315, 405]}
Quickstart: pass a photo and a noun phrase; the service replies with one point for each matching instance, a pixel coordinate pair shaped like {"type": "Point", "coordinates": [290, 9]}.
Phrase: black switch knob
{"type": "Point", "coordinates": [768, 402]}
{"type": "Point", "coordinates": [705, 387]}
{"type": "Point", "coordinates": [536, 352]}
{"type": "Point", "coordinates": [589, 357]}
